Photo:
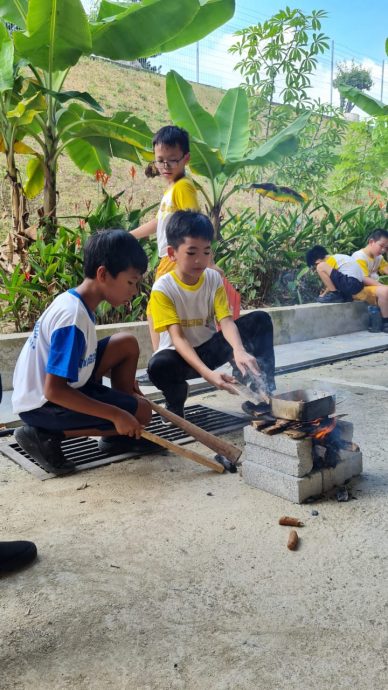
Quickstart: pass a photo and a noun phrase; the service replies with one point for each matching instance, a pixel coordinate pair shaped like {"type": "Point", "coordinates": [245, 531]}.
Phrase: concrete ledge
{"type": "Point", "coordinates": [291, 324]}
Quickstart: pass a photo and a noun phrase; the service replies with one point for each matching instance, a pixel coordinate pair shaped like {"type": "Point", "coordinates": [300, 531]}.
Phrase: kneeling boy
{"type": "Point", "coordinates": [57, 389]}
{"type": "Point", "coordinates": [340, 274]}
{"type": "Point", "coordinates": [184, 305]}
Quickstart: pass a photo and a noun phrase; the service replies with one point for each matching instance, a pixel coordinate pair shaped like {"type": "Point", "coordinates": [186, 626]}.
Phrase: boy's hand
{"type": "Point", "coordinates": [222, 381]}
{"type": "Point", "coordinates": [245, 362]}
{"type": "Point", "coordinates": [126, 424]}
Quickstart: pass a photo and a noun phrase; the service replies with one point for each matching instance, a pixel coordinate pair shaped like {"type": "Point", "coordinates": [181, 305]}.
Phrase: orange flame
{"type": "Point", "coordinates": [322, 432]}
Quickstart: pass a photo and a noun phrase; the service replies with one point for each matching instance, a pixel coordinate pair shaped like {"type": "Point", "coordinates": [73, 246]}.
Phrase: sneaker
{"type": "Point", "coordinates": [45, 448]}
{"type": "Point", "coordinates": [117, 445]}
{"type": "Point", "coordinates": [331, 298]}
{"type": "Point", "coordinates": [144, 379]}
{"type": "Point", "coordinates": [16, 554]}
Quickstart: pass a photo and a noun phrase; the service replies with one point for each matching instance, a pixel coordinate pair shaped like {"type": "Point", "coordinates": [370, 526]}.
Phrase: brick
{"type": "Point", "coordinates": [345, 430]}
{"type": "Point", "coordinates": [295, 489]}
{"type": "Point", "coordinates": [344, 470]}
{"type": "Point", "coordinates": [297, 466]}
{"type": "Point", "coordinates": [280, 443]}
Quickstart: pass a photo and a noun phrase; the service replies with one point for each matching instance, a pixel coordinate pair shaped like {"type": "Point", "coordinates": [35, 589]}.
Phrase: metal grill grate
{"type": "Point", "coordinates": [85, 453]}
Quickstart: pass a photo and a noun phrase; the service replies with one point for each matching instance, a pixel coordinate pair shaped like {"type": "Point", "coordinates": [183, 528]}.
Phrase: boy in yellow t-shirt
{"type": "Point", "coordinates": [373, 264]}
{"type": "Point", "coordinates": [172, 153]}
{"type": "Point", "coordinates": [184, 305]}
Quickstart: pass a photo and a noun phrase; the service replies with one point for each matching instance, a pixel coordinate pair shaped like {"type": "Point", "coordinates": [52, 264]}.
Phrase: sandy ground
{"type": "Point", "coordinates": [163, 575]}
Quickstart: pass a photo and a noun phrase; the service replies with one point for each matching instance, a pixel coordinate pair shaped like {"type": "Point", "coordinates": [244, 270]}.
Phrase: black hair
{"type": "Point", "coordinates": [172, 136]}
{"type": "Point", "coordinates": [117, 250]}
{"type": "Point", "coordinates": [378, 234]}
{"type": "Point", "coordinates": [184, 224]}
{"type": "Point", "coordinates": [316, 252]}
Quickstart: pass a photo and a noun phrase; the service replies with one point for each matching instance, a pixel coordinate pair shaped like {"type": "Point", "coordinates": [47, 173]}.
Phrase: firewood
{"type": "Point", "coordinates": [290, 521]}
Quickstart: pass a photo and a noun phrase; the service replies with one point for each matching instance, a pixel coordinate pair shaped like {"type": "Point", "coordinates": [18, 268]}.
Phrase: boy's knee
{"type": "Point", "coordinates": [126, 342]}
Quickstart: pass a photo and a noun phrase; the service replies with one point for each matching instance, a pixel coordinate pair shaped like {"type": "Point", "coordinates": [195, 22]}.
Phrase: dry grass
{"type": "Point", "coordinates": [115, 88]}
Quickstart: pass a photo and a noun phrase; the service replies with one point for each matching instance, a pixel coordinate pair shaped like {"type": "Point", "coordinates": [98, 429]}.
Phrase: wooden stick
{"type": "Point", "coordinates": [183, 452]}
{"type": "Point", "coordinates": [215, 443]}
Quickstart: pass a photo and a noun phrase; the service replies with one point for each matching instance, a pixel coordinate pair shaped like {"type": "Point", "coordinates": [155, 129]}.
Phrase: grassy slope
{"type": "Point", "coordinates": [115, 88]}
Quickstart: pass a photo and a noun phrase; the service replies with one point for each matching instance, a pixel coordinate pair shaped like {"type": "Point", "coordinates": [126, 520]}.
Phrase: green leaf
{"type": "Point", "coordinates": [369, 105]}
{"type": "Point", "coordinates": [122, 126]}
{"type": "Point", "coordinates": [140, 29]}
{"type": "Point", "coordinates": [186, 112]}
{"type": "Point", "coordinates": [14, 11]}
{"type": "Point", "coordinates": [26, 109]}
{"type": "Point", "coordinates": [232, 117]}
{"type": "Point", "coordinates": [211, 15]}
{"type": "Point", "coordinates": [64, 96]}
{"type": "Point", "coordinates": [57, 34]}
{"type": "Point", "coordinates": [35, 177]}
{"type": "Point", "coordinates": [282, 144]}
{"type": "Point", "coordinates": [204, 160]}
{"type": "Point", "coordinates": [6, 60]}
{"type": "Point", "coordinates": [87, 157]}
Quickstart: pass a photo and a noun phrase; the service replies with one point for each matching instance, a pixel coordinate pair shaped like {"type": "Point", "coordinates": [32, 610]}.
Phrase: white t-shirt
{"type": "Point", "coordinates": [346, 264]}
{"type": "Point", "coordinates": [64, 343]}
{"type": "Point", "coordinates": [370, 266]}
{"type": "Point", "coordinates": [194, 307]}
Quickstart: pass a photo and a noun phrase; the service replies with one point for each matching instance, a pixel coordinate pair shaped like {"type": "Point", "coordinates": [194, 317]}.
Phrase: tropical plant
{"type": "Point", "coordinates": [220, 145]}
{"type": "Point", "coordinates": [53, 35]}
{"type": "Point", "coordinates": [353, 75]}
{"type": "Point", "coordinates": [277, 60]}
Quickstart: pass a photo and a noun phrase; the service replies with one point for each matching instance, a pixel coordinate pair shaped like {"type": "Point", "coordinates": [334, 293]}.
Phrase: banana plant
{"type": "Point", "coordinates": [52, 37]}
{"type": "Point", "coordinates": [220, 145]}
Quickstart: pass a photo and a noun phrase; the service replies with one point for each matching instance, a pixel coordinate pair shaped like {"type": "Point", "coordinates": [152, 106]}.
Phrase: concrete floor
{"type": "Point", "coordinates": [157, 574]}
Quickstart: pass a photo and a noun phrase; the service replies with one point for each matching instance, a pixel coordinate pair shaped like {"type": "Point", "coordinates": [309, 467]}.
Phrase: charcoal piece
{"type": "Point", "coordinates": [342, 495]}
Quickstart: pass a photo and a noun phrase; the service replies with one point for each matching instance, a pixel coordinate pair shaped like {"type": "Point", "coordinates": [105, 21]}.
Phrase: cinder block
{"type": "Point", "coordinates": [344, 470]}
{"type": "Point", "coordinates": [295, 489]}
{"type": "Point", "coordinates": [297, 466]}
{"type": "Point", "coordinates": [279, 443]}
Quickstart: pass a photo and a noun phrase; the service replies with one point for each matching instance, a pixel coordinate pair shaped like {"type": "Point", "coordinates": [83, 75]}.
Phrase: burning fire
{"type": "Point", "coordinates": [321, 428]}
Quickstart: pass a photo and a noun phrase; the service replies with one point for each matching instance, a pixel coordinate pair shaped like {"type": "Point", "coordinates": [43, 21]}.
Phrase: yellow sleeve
{"type": "Point", "coordinates": [383, 265]}
{"type": "Point", "coordinates": [364, 266]}
{"type": "Point", "coordinates": [184, 196]}
{"type": "Point", "coordinates": [330, 260]}
{"type": "Point", "coordinates": [162, 310]}
{"type": "Point", "coordinates": [221, 306]}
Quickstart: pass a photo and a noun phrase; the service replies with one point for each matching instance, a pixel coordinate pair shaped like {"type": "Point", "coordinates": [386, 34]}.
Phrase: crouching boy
{"type": "Point", "coordinates": [339, 273]}
{"type": "Point", "coordinates": [184, 305]}
{"type": "Point", "coordinates": [57, 389]}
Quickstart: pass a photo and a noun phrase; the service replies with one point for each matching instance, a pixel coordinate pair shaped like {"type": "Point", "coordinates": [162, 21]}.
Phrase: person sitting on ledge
{"type": "Point", "coordinates": [372, 263]}
{"type": "Point", "coordinates": [184, 305]}
{"type": "Point", "coordinates": [340, 274]}
{"type": "Point", "coordinates": [57, 389]}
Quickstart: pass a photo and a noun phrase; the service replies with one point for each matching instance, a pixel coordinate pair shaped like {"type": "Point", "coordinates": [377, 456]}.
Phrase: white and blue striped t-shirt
{"type": "Point", "coordinates": [64, 343]}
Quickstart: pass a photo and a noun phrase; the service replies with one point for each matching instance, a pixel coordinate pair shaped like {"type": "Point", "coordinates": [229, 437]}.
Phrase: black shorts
{"type": "Point", "coordinates": [346, 285]}
{"type": "Point", "coordinates": [53, 417]}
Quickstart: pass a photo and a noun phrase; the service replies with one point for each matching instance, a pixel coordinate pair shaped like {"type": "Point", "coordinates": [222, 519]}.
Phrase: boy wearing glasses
{"type": "Point", "coordinates": [172, 152]}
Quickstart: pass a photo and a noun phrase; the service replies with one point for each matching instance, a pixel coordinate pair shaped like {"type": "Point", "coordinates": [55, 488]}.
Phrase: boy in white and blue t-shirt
{"type": "Point", "coordinates": [185, 304]}
{"type": "Point", "coordinates": [57, 389]}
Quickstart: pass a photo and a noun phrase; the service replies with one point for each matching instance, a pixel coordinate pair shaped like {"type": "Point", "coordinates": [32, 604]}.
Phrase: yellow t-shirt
{"type": "Point", "coordinates": [181, 196]}
{"type": "Point", "coordinates": [194, 307]}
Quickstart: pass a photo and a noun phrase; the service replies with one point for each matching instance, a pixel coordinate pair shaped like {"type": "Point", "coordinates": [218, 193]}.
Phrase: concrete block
{"type": "Point", "coordinates": [345, 470]}
{"type": "Point", "coordinates": [280, 443]}
{"type": "Point", "coordinates": [296, 466]}
{"type": "Point", "coordinates": [294, 489]}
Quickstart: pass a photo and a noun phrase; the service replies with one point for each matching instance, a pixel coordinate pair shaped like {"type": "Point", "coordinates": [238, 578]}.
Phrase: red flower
{"type": "Point", "coordinates": [27, 275]}
{"type": "Point", "coordinates": [132, 171]}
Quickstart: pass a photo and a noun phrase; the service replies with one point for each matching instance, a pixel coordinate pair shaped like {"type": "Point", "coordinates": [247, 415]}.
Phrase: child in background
{"type": "Point", "coordinates": [339, 273]}
{"type": "Point", "coordinates": [372, 263]}
{"type": "Point", "coordinates": [172, 153]}
{"type": "Point", "coordinates": [184, 305]}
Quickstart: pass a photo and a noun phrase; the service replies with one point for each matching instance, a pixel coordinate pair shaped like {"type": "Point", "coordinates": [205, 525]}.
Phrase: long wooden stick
{"type": "Point", "coordinates": [184, 452]}
{"type": "Point", "coordinates": [230, 451]}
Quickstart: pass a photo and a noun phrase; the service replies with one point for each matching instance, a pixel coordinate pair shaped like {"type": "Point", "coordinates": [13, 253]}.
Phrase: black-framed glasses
{"type": "Point", "coordinates": [170, 164]}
